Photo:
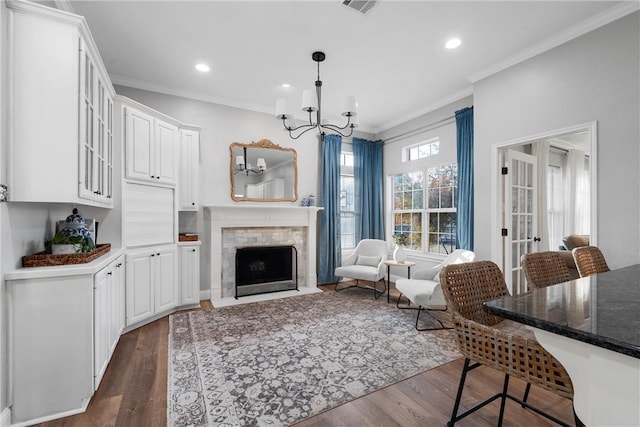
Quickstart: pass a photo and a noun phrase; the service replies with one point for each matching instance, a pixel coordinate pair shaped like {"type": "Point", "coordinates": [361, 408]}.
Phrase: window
{"type": "Point", "coordinates": [347, 202]}
{"type": "Point", "coordinates": [430, 197]}
{"type": "Point", "coordinates": [408, 204]}
{"type": "Point", "coordinates": [443, 185]}
{"type": "Point", "coordinates": [422, 150]}
{"type": "Point", "coordinates": [555, 206]}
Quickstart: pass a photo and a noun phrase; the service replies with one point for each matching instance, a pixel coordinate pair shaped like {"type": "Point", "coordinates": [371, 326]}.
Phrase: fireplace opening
{"type": "Point", "coordinates": [262, 269]}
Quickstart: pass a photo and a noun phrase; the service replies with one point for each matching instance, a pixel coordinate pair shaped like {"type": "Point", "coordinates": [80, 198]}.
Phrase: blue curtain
{"type": "Point", "coordinates": [464, 133]}
{"type": "Point", "coordinates": [330, 250]}
{"type": "Point", "coordinates": [368, 183]}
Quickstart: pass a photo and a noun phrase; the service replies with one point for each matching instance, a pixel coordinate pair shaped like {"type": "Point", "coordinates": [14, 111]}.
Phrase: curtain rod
{"type": "Point", "coordinates": [420, 129]}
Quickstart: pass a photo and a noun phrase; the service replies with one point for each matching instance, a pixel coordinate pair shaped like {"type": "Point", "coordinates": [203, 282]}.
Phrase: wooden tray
{"type": "Point", "coordinates": [45, 259]}
{"type": "Point", "coordinates": [187, 237]}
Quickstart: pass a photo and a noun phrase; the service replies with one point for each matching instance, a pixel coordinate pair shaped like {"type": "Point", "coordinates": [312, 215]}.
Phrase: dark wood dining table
{"type": "Point", "coordinates": [592, 326]}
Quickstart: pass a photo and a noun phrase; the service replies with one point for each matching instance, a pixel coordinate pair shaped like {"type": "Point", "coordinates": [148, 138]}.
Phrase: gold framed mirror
{"type": "Point", "coordinates": [263, 172]}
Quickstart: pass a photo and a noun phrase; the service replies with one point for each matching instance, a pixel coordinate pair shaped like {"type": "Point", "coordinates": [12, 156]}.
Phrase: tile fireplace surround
{"type": "Point", "coordinates": [231, 226]}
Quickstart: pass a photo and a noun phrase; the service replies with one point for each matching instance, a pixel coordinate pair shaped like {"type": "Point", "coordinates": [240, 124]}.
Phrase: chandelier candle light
{"type": "Point", "coordinates": [311, 103]}
{"type": "Point", "coordinates": [243, 166]}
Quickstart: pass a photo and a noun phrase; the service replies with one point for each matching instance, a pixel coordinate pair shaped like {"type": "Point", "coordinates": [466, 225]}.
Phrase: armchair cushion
{"type": "Point", "coordinates": [371, 261]}
{"type": "Point", "coordinates": [425, 293]}
{"type": "Point", "coordinates": [360, 272]}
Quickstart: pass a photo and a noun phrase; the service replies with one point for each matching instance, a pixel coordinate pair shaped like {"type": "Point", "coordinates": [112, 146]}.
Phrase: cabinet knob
{"type": "Point", "coordinates": [158, 254]}
{"type": "Point", "coordinates": [109, 273]}
{"type": "Point", "coordinates": [157, 177]}
{"type": "Point", "coordinates": [153, 176]}
{"type": "Point", "coordinates": [193, 203]}
{"type": "Point", "coordinates": [153, 254]}
{"type": "Point", "coordinates": [193, 250]}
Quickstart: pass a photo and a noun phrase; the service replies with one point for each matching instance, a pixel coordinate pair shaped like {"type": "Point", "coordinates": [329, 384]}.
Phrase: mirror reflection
{"type": "Point", "coordinates": [263, 171]}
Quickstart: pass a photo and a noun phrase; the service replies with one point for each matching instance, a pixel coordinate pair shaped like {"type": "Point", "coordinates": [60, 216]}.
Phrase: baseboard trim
{"type": "Point", "coordinates": [83, 408]}
{"type": "Point", "coordinates": [205, 294]}
{"type": "Point", "coordinates": [5, 417]}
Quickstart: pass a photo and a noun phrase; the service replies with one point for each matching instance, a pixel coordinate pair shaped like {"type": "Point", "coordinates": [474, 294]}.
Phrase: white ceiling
{"type": "Point", "coordinates": [392, 59]}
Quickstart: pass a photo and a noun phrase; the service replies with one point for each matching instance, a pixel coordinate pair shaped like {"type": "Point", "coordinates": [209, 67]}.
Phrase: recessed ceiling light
{"type": "Point", "coordinates": [286, 85]}
{"type": "Point", "coordinates": [204, 68]}
{"type": "Point", "coordinates": [453, 43]}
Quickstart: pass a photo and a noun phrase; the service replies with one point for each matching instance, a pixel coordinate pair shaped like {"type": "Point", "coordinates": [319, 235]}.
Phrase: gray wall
{"type": "Point", "coordinates": [594, 77]}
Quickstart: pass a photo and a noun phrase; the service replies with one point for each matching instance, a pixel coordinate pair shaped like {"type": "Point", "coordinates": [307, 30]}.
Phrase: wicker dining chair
{"type": "Point", "coordinates": [589, 260]}
{"type": "Point", "coordinates": [544, 269]}
{"type": "Point", "coordinates": [487, 339]}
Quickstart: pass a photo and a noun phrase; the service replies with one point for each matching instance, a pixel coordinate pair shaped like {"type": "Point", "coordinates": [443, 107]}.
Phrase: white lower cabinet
{"type": "Point", "coordinates": [63, 327]}
{"type": "Point", "coordinates": [108, 297]}
{"type": "Point", "coordinates": [151, 282]}
{"type": "Point", "coordinates": [189, 273]}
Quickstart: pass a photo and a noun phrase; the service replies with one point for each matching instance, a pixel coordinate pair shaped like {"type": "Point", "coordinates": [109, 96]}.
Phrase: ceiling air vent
{"type": "Point", "coordinates": [362, 6]}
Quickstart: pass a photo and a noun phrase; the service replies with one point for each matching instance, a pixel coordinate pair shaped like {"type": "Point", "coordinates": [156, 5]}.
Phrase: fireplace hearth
{"type": "Point", "coordinates": [264, 269]}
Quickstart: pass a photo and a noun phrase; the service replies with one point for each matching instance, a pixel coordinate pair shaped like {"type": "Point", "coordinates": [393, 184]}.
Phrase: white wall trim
{"type": "Point", "coordinates": [496, 239]}
{"type": "Point", "coordinates": [205, 294]}
{"type": "Point", "coordinates": [457, 96]}
{"type": "Point", "coordinates": [569, 34]}
{"type": "Point", "coordinates": [5, 417]}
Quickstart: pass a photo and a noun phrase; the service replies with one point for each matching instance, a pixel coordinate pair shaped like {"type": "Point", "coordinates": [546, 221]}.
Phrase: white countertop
{"type": "Point", "coordinates": [89, 268]}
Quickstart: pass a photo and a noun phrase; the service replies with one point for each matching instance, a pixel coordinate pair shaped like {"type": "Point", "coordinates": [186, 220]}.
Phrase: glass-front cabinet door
{"type": "Point", "coordinates": [96, 133]}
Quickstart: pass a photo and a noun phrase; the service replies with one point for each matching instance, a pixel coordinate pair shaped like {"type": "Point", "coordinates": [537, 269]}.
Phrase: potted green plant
{"type": "Point", "coordinates": [62, 244]}
{"type": "Point", "coordinates": [401, 240]}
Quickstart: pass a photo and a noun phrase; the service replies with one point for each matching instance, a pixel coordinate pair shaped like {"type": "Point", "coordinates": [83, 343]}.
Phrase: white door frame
{"type": "Point", "coordinates": [496, 177]}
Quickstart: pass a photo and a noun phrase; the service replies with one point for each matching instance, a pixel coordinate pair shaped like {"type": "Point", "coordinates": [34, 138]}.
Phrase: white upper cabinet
{"type": "Point", "coordinates": [189, 170]}
{"type": "Point", "coordinates": [61, 121]}
{"type": "Point", "coordinates": [151, 147]}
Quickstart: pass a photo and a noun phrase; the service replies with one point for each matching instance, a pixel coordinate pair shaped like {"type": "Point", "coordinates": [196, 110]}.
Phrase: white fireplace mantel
{"type": "Point", "coordinates": [219, 217]}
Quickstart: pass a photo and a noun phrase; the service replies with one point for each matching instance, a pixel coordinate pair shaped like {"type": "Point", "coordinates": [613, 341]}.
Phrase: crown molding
{"type": "Point", "coordinates": [196, 95]}
{"type": "Point", "coordinates": [457, 96]}
{"type": "Point", "coordinates": [569, 34]}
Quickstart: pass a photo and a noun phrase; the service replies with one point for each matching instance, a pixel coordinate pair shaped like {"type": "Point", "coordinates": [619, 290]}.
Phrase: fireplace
{"type": "Point", "coordinates": [231, 226]}
{"type": "Point", "coordinates": [262, 269]}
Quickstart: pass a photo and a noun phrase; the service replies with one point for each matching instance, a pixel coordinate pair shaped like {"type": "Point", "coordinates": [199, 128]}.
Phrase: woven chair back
{"type": "Point", "coordinates": [589, 260]}
{"type": "Point", "coordinates": [467, 286]}
{"type": "Point", "coordinates": [544, 269]}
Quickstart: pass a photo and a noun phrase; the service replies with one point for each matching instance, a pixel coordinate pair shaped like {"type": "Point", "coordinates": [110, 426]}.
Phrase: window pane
{"type": "Point", "coordinates": [417, 199]}
{"type": "Point", "coordinates": [418, 181]}
{"type": "Point", "coordinates": [434, 198]}
{"type": "Point", "coordinates": [446, 198]}
{"type": "Point", "coordinates": [435, 148]}
{"type": "Point", "coordinates": [397, 183]}
{"type": "Point", "coordinates": [416, 241]}
{"type": "Point", "coordinates": [397, 201]}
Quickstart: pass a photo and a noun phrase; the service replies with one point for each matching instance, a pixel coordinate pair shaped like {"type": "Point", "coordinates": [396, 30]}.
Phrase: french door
{"type": "Point", "coordinates": [519, 221]}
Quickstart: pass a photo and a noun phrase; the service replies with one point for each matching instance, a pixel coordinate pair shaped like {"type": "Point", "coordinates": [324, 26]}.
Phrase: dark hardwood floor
{"type": "Point", "coordinates": [133, 392]}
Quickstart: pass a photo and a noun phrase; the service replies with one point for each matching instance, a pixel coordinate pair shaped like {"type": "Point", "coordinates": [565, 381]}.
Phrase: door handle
{"type": "Point", "coordinates": [536, 239]}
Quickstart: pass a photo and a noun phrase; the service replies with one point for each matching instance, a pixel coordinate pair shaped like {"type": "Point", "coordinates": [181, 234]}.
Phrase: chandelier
{"type": "Point", "coordinates": [311, 104]}
{"type": "Point", "coordinates": [243, 166]}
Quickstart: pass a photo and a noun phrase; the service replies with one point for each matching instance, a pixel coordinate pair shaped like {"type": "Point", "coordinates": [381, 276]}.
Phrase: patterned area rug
{"type": "Point", "coordinates": [274, 363]}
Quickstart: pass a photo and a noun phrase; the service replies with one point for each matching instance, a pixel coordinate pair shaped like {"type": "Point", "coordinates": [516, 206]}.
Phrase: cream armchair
{"type": "Point", "coordinates": [366, 263]}
{"type": "Point", "coordinates": [423, 289]}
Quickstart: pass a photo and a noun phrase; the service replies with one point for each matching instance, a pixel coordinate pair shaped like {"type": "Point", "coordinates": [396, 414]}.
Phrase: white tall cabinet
{"type": "Point", "coordinates": [189, 171]}
{"type": "Point", "coordinates": [189, 253]}
{"type": "Point", "coordinates": [61, 122]}
{"type": "Point", "coordinates": [161, 155]}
